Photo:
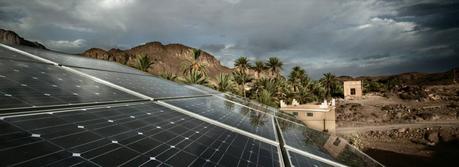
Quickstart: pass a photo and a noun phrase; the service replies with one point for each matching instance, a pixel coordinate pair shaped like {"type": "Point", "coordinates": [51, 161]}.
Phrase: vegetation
{"type": "Point", "coordinates": [225, 83]}
{"type": "Point", "coordinates": [259, 67]}
{"type": "Point", "coordinates": [241, 78]}
{"type": "Point", "coordinates": [193, 64]}
{"type": "Point", "coordinates": [196, 77]}
{"type": "Point", "coordinates": [242, 64]}
{"type": "Point", "coordinates": [275, 66]}
{"type": "Point", "coordinates": [143, 62]}
{"type": "Point", "coordinates": [169, 76]}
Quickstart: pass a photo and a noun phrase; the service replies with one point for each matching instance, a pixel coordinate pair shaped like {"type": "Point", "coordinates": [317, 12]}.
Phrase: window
{"type": "Point", "coordinates": [309, 114]}
{"type": "Point", "coordinates": [295, 113]}
{"type": "Point", "coordinates": [352, 91]}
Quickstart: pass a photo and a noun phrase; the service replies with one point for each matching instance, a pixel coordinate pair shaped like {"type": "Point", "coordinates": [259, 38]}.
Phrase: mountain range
{"type": "Point", "coordinates": [170, 57]}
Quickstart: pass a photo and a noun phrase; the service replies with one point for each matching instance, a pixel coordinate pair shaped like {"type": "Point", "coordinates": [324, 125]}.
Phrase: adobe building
{"type": "Point", "coordinates": [318, 117]}
{"type": "Point", "coordinates": [352, 89]}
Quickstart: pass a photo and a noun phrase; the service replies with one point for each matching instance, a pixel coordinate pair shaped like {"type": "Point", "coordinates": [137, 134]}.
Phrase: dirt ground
{"type": "Point", "coordinates": [389, 128]}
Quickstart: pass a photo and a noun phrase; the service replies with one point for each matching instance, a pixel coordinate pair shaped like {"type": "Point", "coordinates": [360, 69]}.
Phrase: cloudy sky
{"type": "Point", "coordinates": [346, 37]}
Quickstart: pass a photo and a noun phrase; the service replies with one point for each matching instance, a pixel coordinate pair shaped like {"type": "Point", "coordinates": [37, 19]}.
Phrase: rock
{"type": "Point", "coordinates": [446, 135]}
{"type": "Point", "coordinates": [168, 57]}
{"type": "Point", "coordinates": [432, 137]}
{"type": "Point", "coordinates": [402, 130]}
{"type": "Point", "coordinates": [11, 38]}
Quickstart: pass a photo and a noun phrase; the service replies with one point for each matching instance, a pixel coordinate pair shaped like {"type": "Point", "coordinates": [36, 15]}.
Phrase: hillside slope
{"type": "Point", "coordinates": [166, 58]}
{"type": "Point", "coordinates": [11, 38]}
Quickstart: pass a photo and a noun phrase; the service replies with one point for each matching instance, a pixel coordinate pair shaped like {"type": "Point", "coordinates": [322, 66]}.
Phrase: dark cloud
{"type": "Point", "coordinates": [213, 48]}
{"type": "Point", "coordinates": [355, 37]}
{"type": "Point", "coordinates": [434, 15]}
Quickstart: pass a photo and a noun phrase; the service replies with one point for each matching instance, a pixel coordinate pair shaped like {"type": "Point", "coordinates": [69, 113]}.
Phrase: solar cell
{"type": "Point", "coordinates": [133, 135]}
{"type": "Point", "coordinates": [229, 113]}
{"type": "Point", "coordinates": [80, 61]}
{"type": "Point", "coordinates": [148, 85]}
{"type": "Point", "coordinates": [26, 84]}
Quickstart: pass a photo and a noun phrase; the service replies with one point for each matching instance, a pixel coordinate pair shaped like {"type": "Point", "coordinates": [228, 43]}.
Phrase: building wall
{"type": "Point", "coordinates": [316, 121]}
{"type": "Point", "coordinates": [348, 85]}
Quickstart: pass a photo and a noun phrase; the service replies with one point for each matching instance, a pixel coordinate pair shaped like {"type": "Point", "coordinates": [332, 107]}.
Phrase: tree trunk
{"type": "Point", "coordinates": [243, 89]}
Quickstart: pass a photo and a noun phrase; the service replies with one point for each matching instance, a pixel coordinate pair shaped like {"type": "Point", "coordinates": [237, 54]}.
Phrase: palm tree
{"type": "Point", "coordinates": [196, 77]}
{"type": "Point", "coordinates": [329, 83]}
{"type": "Point", "coordinates": [224, 82]}
{"type": "Point", "coordinates": [241, 78]}
{"type": "Point", "coordinates": [297, 77]}
{"type": "Point", "coordinates": [169, 76]}
{"type": "Point", "coordinates": [259, 67]}
{"type": "Point", "coordinates": [193, 64]}
{"type": "Point", "coordinates": [274, 65]}
{"type": "Point", "coordinates": [242, 63]}
{"type": "Point", "coordinates": [143, 62]}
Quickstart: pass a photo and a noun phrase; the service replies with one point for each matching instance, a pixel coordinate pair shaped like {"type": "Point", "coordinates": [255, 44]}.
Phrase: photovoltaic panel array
{"type": "Point", "coordinates": [80, 61]}
{"type": "Point", "coordinates": [135, 135]}
{"type": "Point", "coordinates": [229, 113]}
{"type": "Point", "coordinates": [188, 126]}
{"type": "Point", "coordinates": [26, 84]}
{"type": "Point", "coordinates": [148, 85]}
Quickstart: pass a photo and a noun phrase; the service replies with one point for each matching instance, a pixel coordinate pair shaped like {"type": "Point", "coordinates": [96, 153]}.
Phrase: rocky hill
{"type": "Point", "coordinates": [11, 38]}
{"type": "Point", "coordinates": [413, 78]}
{"type": "Point", "coordinates": [166, 58]}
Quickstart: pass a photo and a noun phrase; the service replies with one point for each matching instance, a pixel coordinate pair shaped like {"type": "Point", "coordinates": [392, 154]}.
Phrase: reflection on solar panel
{"type": "Point", "coordinates": [205, 89]}
{"type": "Point", "coordinates": [229, 113]}
{"type": "Point", "coordinates": [25, 84]}
{"type": "Point", "coordinates": [258, 106]}
{"type": "Point", "coordinates": [80, 61]}
{"type": "Point", "coordinates": [188, 127]}
{"type": "Point", "coordinates": [299, 160]}
{"type": "Point", "coordinates": [135, 135]}
{"type": "Point", "coordinates": [7, 54]}
{"type": "Point", "coordinates": [147, 85]}
{"type": "Point", "coordinates": [299, 138]}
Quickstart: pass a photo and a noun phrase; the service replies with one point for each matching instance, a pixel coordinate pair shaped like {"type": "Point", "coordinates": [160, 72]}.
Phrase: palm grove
{"type": "Point", "coordinates": [261, 80]}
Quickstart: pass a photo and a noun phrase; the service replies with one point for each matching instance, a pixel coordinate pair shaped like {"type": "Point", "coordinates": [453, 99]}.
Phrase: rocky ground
{"type": "Point", "coordinates": [405, 145]}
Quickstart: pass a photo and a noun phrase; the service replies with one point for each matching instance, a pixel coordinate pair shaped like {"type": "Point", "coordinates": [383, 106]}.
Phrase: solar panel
{"type": "Point", "coordinates": [328, 148]}
{"type": "Point", "coordinates": [25, 84]}
{"type": "Point", "coordinates": [205, 89]}
{"type": "Point", "coordinates": [188, 126]}
{"type": "Point", "coordinates": [258, 106]}
{"type": "Point", "coordinates": [80, 61]}
{"type": "Point", "coordinates": [148, 85]}
{"type": "Point", "coordinates": [134, 135]}
{"type": "Point", "coordinates": [229, 113]}
{"type": "Point", "coordinates": [8, 54]}
{"type": "Point", "coordinates": [300, 160]}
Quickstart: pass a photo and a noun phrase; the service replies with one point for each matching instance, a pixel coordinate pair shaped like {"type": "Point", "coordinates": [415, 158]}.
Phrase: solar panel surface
{"type": "Point", "coordinates": [8, 54]}
{"type": "Point", "coordinates": [80, 61]}
{"type": "Point", "coordinates": [135, 135]}
{"type": "Point", "coordinates": [26, 84]}
{"type": "Point", "coordinates": [148, 85]}
{"type": "Point", "coordinates": [331, 148]}
{"type": "Point", "coordinates": [229, 113]}
{"type": "Point", "coordinates": [142, 134]}
{"type": "Point", "coordinates": [300, 160]}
